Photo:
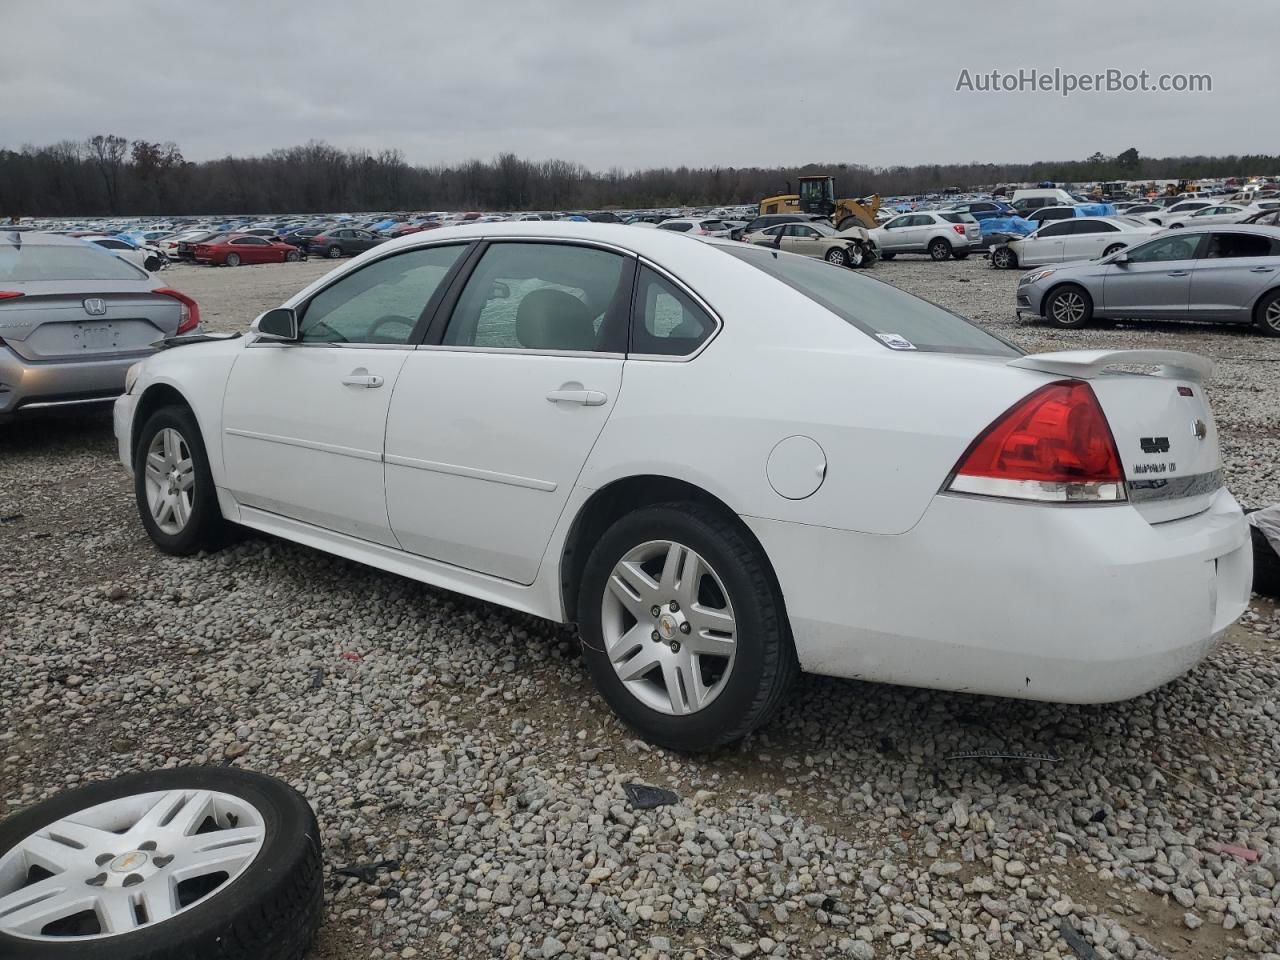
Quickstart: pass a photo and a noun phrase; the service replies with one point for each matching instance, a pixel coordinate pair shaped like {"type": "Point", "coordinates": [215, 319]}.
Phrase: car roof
{"type": "Point", "coordinates": [34, 238]}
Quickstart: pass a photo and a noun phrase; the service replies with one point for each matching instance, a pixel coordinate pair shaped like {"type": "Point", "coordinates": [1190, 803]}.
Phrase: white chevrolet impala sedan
{"type": "Point", "coordinates": [724, 463]}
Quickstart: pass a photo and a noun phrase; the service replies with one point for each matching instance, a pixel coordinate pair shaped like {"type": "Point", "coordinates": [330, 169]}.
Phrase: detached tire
{"type": "Point", "coordinates": [173, 486]}
{"type": "Point", "coordinates": [246, 847]}
{"type": "Point", "coordinates": [683, 627]}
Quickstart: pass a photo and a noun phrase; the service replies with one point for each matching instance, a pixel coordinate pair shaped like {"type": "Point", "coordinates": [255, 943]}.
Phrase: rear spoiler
{"type": "Point", "coordinates": [1087, 364]}
{"type": "Point", "coordinates": [167, 342]}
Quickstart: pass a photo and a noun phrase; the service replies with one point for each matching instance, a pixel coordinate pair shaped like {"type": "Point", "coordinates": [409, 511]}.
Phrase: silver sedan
{"type": "Point", "coordinates": [73, 319]}
{"type": "Point", "coordinates": [1228, 274]}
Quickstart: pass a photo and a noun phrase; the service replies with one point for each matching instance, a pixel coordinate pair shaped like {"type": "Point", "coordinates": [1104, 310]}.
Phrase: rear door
{"type": "Point", "coordinates": [1086, 238]}
{"type": "Point", "coordinates": [1155, 279]}
{"type": "Point", "coordinates": [1234, 269]}
{"type": "Point", "coordinates": [494, 417]}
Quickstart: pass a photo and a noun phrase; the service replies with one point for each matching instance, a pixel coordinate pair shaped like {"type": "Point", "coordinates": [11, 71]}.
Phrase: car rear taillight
{"type": "Point", "coordinates": [320, 239]}
{"type": "Point", "coordinates": [10, 294]}
{"type": "Point", "coordinates": [189, 318]}
{"type": "Point", "coordinates": [1053, 445]}
{"type": "Point", "coordinates": [958, 228]}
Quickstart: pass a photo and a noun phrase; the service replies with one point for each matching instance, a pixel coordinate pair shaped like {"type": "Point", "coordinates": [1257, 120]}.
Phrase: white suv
{"type": "Point", "coordinates": [941, 235]}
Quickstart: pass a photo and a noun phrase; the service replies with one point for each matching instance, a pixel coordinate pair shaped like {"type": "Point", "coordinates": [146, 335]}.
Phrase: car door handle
{"type": "Point", "coordinates": [1263, 270]}
{"type": "Point", "coordinates": [362, 380]}
{"type": "Point", "coordinates": [1178, 273]}
{"type": "Point", "coordinates": [588, 398]}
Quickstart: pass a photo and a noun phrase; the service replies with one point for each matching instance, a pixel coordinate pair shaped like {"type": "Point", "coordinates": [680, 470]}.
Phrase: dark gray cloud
{"type": "Point", "coordinates": [607, 83]}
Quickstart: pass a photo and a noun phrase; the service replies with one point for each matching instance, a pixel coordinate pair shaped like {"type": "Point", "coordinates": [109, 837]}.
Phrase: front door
{"type": "Point", "coordinates": [303, 423]}
{"type": "Point", "coordinates": [1155, 281]}
{"type": "Point", "coordinates": [1045, 245]}
{"type": "Point", "coordinates": [490, 425]}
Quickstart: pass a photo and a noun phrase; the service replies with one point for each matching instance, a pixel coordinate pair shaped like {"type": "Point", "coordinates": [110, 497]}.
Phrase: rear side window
{"type": "Point", "coordinates": [1233, 245]}
{"type": "Point", "coordinates": [680, 227]}
{"type": "Point", "coordinates": [665, 320]}
{"type": "Point", "coordinates": [21, 262]}
{"type": "Point", "coordinates": [876, 308]}
{"type": "Point", "coordinates": [957, 218]}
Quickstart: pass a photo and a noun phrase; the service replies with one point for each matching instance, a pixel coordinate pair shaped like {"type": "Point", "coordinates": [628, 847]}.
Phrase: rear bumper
{"type": "Point", "coordinates": [26, 384]}
{"type": "Point", "coordinates": [1058, 603]}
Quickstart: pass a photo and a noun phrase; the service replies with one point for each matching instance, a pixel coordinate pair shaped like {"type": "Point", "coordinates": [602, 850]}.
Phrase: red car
{"type": "Point", "coordinates": [237, 248]}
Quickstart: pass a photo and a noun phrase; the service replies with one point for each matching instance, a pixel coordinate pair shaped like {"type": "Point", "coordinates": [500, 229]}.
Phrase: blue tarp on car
{"type": "Point", "coordinates": [1015, 225]}
{"type": "Point", "coordinates": [1095, 210]}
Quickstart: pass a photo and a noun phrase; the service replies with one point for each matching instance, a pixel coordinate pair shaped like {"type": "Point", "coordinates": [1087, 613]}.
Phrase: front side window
{"type": "Point", "coordinates": [897, 222]}
{"type": "Point", "coordinates": [379, 303]}
{"type": "Point", "coordinates": [1181, 247]}
{"type": "Point", "coordinates": [542, 296]}
{"type": "Point", "coordinates": [675, 225]}
{"type": "Point", "coordinates": [666, 321]}
{"type": "Point", "coordinates": [1053, 230]}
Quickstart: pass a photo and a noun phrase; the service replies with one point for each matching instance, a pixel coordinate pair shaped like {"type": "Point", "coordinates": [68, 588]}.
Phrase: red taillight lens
{"type": "Point", "coordinates": [1052, 445]}
{"type": "Point", "coordinates": [958, 228]}
{"type": "Point", "coordinates": [189, 319]}
{"type": "Point", "coordinates": [10, 294]}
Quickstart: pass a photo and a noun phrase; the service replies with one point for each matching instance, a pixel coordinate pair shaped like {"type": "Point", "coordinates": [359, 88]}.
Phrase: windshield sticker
{"type": "Point", "coordinates": [895, 342]}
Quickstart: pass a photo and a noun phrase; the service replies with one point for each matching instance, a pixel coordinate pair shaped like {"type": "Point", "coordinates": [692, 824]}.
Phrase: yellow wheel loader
{"type": "Point", "coordinates": [818, 196]}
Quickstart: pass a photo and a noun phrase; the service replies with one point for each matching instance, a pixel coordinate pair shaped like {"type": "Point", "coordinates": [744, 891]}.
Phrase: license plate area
{"type": "Point", "coordinates": [97, 336]}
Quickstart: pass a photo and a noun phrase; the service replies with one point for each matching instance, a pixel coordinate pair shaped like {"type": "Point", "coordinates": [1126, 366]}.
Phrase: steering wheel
{"type": "Point", "coordinates": [388, 319]}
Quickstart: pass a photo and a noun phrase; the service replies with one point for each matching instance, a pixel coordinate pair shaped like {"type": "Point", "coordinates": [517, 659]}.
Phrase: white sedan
{"type": "Point", "coordinates": [725, 463]}
{"type": "Point", "coordinates": [1077, 238]}
{"type": "Point", "coordinates": [1217, 213]}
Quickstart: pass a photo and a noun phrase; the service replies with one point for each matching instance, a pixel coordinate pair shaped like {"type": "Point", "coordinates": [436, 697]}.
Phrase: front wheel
{"type": "Point", "coordinates": [683, 627]}
{"type": "Point", "coordinates": [1070, 307]}
{"type": "Point", "coordinates": [1268, 314]}
{"type": "Point", "coordinates": [939, 249]}
{"type": "Point", "coordinates": [173, 485]}
{"type": "Point", "coordinates": [837, 256]}
{"type": "Point", "coordinates": [887, 254]}
{"type": "Point", "coordinates": [293, 256]}
{"type": "Point", "coordinates": [1002, 258]}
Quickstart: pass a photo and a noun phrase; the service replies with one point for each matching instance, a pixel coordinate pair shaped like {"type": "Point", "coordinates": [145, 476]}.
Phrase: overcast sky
{"type": "Point", "coordinates": [636, 83]}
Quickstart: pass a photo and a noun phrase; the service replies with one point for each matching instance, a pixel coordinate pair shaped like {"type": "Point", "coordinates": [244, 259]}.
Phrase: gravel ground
{"type": "Point", "coordinates": [464, 744]}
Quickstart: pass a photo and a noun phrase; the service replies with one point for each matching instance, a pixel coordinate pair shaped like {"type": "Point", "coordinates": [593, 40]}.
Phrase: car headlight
{"type": "Point", "coordinates": [1035, 277]}
{"type": "Point", "coordinates": [131, 376]}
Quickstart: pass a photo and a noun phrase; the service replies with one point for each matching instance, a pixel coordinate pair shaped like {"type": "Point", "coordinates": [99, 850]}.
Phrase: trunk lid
{"type": "Point", "coordinates": [1161, 422]}
{"type": "Point", "coordinates": [49, 325]}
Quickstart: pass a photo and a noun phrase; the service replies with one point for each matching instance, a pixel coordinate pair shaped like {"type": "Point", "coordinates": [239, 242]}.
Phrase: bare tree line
{"type": "Point", "coordinates": [109, 175]}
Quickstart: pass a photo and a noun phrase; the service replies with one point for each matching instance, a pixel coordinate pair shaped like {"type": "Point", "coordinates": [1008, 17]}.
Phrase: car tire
{"type": "Point", "coordinates": [293, 256]}
{"type": "Point", "coordinates": [233, 260]}
{"type": "Point", "coordinates": [177, 524]}
{"type": "Point", "coordinates": [153, 264]}
{"type": "Point", "coordinates": [742, 692]}
{"type": "Point", "coordinates": [837, 256]}
{"type": "Point", "coordinates": [1176, 226]}
{"type": "Point", "coordinates": [939, 249]}
{"type": "Point", "coordinates": [1002, 258]}
{"type": "Point", "coordinates": [887, 255]}
{"type": "Point", "coordinates": [334, 252]}
{"type": "Point", "coordinates": [1113, 249]}
{"type": "Point", "coordinates": [960, 254]}
{"type": "Point", "coordinates": [269, 909]}
{"type": "Point", "coordinates": [1069, 307]}
{"type": "Point", "coordinates": [1267, 314]}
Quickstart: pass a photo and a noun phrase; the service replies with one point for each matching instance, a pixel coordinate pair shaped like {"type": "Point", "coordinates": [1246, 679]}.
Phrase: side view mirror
{"type": "Point", "coordinates": [279, 325]}
{"type": "Point", "coordinates": [1120, 258]}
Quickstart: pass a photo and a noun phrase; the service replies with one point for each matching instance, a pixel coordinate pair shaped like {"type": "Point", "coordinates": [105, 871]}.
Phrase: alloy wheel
{"type": "Point", "coordinates": [170, 481]}
{"type": "Point", "coordinates": [1068, 307]}
{"type": "Point", "coordinates": [1272, 317]}
{"type": "Point", "coordinates": [668, 627]}
{"type": "Point", "coordinates": [121, 865]}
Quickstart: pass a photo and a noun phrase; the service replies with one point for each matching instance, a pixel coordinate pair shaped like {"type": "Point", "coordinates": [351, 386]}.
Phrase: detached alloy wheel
{"type": "Point", "coordinates": [173, 486]}
{"type": "Point", "coordinates": [184, 864]}
{"type": "Point", "coordinates": [683, 627]}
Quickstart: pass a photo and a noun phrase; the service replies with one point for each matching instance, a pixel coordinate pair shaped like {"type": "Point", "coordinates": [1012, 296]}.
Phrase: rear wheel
{"type": "Point", "coordinates": [233, 259]}
{"type": "Point", "coordinates": [837, 256]}
{"type": "Point", "coordinates": [1112, 249]}
{"type": "Point", "coordinates": [173, 486]}
{"type": "Point", "coordinates": [1267, 314]}
{"type": "Point", "coordinates": [1002, 258]}
{"type": "Point", "coordinates": [939, 249]}
{"type": "Point", "coordinates": [683, 627]}
{"type": "Point", "coordinates": [1070, 307]}
{"type": "Point", "coordinates": [334, 252]}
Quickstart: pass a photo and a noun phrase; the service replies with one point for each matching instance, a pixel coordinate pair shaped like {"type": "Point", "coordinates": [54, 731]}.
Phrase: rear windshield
{"type": "Point", "coordinates": [895, 318]}
{"type": "Point", "coordinates": [33, 261]}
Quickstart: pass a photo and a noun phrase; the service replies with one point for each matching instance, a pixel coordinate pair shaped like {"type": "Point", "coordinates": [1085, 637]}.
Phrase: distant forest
{"type": "Point", "coordinates": [110, 175]}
